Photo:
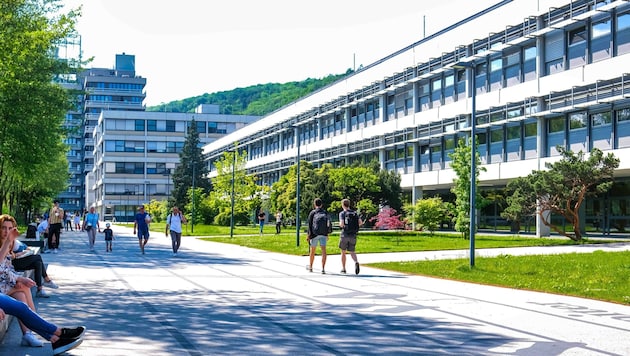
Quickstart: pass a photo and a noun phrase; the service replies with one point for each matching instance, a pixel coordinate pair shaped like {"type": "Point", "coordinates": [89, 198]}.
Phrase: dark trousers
{"type": "Point", "coordinates": [33, 262]}
{"type": "Point", "coordinates": [54, 231]}
{"type": "Point", "coordinates": [278, 227]}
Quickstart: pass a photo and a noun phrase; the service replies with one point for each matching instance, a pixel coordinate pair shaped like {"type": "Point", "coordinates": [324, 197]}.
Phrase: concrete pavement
{"type": "Point", "coordinates": [221, 299]}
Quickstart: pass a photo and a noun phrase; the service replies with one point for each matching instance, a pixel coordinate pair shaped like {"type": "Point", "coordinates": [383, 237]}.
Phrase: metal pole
{"type": "Point", "coordinates": [473, 168]}
{"type": "Point", "coordinates": [232, 214]}
{"type": "Point", "coordinates": [297, 190]}
{"type": "Point", "coordinates": [192, 218]}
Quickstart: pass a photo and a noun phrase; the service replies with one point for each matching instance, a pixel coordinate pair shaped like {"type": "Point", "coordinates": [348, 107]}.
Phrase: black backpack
{"type": "Point", "coordinates": [321, 223]}
{"type": "Point", "coordinates": [350, 222]}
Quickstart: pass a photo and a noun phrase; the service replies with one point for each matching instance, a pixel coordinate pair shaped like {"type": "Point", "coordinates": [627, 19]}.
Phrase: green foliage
{"type": "Point", "coordinates": [158, 209]}
{"type": "Point", "coordinates": [354, 183]}
{"type": "Point", "coordinates": [260, 99]}
{"type": "Point", "coordinates": [461, 164]}
{"type": "Point", "coordinates": [562, 188]}
{"type": "Point", "coordinates": [32, 106]}
{"type": "Point", "coordinates": [428, 213]}
{"type": "Point", "coordinates": [248, 196]}
{"type": "Point", "coordinates": [192, 169]}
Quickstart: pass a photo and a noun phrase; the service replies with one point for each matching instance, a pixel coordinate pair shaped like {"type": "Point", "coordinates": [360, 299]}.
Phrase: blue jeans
{"type": "Point", "coordinates": [27, 316]}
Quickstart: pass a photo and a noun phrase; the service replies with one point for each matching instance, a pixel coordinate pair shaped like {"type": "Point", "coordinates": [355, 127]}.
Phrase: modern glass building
{"type": "Point", "coordinates": [541, 73]}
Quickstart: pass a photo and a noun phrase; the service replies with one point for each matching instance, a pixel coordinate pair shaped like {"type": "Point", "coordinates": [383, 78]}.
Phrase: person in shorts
{"type": "Point", "coordinates": [109, 237]}
{"type": "Point", "coordinates": [348, 240]}
{"type": "Point", "coordinates": [141, 227]}
{"type": "Point", "coordinates": [317, 235]}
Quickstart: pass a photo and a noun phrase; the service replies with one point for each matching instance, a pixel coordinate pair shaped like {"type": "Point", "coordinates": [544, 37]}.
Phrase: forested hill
{"type": "Point", "coordinates": [259, 100]}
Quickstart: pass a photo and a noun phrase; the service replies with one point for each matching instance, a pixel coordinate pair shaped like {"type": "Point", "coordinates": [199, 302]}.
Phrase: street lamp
{"type": "Point", "coordinates": [233, 174]}
{"type": "Point", "coordinates": [473, 154]}
{"type": "Point", "coordinates": [297, 188]}
{"type": "Point", "coordinates": [192, 217]}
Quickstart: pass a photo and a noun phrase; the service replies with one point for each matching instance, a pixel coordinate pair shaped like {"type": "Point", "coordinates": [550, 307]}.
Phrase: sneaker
{"type": "Point", "coordinates": [73, 333]}
{"type": "Point", "coordinates": [174, 254]}
{"type": "Point", "coordinates": [54, 251]}
{"type": "Point", "coordinates": [62, 345]}
{"type": "Point", "coordinates": [356, 268]}
{"type": "Point", "coordinates": [323, 272]}
{"type": "Point", "coordinates": [50, 284]}
{"type": "Point", "coordinates": [343, 271]}
{"type": "Point", "coordinates": [29, 339]}
{"type": "Point", "coordinates": [309, 268]}
{"type": "Point", "coordinates": [42, 294]}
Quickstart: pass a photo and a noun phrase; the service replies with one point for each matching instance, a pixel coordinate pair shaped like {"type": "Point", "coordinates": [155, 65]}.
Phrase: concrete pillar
{"type": "Point", "coordinates": [542, 230]}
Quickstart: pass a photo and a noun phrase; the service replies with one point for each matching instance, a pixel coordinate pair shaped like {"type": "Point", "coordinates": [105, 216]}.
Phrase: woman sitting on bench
{"type": "Point", "coordinates": [23, 259]}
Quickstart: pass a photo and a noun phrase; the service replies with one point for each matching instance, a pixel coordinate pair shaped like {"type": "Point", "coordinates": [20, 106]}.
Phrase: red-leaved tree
{"type": "Point", "coordinates": [388, 219]}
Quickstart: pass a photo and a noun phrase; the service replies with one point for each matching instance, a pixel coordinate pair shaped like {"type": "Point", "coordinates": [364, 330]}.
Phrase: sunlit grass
{"type": "Point", "coordinates": [599, 275]}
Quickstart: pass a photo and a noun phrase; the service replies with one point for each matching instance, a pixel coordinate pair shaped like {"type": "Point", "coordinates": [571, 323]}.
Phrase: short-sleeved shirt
{"type": "Point", "coordinates": [342, 217]}
{"type": "Point", "coordinates": [141, 221]}
{"type": "Point", "coordinates": [109, 234]}
{"type": "Point", "coordinates": [174, 222]}
{"type": "Point", "coordinates": [91, 219]}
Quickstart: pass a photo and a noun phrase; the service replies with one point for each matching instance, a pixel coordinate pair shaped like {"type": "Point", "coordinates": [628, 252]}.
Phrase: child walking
{"type": "Point", "coordinates": [109, 237]}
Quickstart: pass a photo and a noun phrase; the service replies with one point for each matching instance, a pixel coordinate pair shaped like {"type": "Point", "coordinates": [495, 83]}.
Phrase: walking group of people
{"type": "Point", "coordinates": [15, 292]}
{"type": "Point", "coordinates": [320, 227]}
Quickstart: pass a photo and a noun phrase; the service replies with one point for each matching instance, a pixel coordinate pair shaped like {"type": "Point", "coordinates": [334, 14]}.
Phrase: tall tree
{"type": "Point", "coordinates": [461, 163]}
{"type": "Point", "coordinates": [562, 188]}
{"type": "Point", "coordinates": [192, 169]}
{"type": "Point", "coordinates": [32, 106]}
{"type": "Point", "coordinates": [233, 183]}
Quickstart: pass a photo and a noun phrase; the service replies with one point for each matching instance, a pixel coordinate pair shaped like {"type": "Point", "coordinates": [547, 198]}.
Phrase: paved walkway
{"type": "Point", "coordinates": [219, 299]}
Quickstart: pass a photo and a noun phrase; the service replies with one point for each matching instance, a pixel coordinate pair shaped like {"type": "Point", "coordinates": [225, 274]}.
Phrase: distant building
{"type": "Point", "coordinates": [135, 154]}
{"type": "Point", "coordinates": [121, 155]}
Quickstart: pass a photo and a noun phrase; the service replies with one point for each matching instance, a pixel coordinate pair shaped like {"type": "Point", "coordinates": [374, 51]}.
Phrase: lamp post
{"type": "Point", "coordinates": [297, 189]}
{"type": "Point", "coordinates": [473, 155]}
{"type": "Point", "coordinates": [233, 174]}
{"type": "Point", "coordinates": [192, 217]}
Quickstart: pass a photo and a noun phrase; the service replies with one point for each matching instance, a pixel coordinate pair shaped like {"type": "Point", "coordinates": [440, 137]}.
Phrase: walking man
{"type": "Point", "coordinates": [349, 221]}
{"type": "Point", "coordinates": [319, 227]}
{"type": "Point", "coordinates": [55, 221]}
{"type": "Point", "coordinates": [174, 222]}
{"type": "Point", "coordinates": [278, 221]}
{"type": "Point", "coordinates": [141, 227]}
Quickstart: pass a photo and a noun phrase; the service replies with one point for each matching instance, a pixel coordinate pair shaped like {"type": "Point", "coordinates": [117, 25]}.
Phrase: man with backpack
{"type": "Point", "coordinates": [319, 227]}
{"type": "Point", "coordinates": [349, 221]}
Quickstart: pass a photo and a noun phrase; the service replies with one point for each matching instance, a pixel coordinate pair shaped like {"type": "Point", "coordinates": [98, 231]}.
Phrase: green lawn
{"type": "Point", "coordinates": [600, 275]}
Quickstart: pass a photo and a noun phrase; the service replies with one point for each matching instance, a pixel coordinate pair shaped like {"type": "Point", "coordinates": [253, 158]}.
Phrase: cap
{"type": "Point", "coordinates": [107, 225]}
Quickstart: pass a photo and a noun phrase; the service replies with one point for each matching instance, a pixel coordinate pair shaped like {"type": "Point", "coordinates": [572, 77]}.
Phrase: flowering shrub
{"type": "Point", "coordinates": [388, 219]}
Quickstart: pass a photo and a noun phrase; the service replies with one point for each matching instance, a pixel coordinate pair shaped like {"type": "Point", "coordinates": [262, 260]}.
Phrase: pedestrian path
{"type": "Point", "coordinates": [222, 299]}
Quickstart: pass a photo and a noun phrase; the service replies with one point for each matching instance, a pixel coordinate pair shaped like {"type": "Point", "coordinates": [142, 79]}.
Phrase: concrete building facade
{"type": "Point", "coordinates": [541, 73]}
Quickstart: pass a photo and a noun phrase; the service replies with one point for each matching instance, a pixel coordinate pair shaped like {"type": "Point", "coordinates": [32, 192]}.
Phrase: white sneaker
{"type": "Point", "coordinates": [50, 284]}
{"type": "Point", "coordinates": [29, 339]}
{"type": "Point", "coordinates": [174, 254]}
{"type": "Point", "coordinates": [54, 250]}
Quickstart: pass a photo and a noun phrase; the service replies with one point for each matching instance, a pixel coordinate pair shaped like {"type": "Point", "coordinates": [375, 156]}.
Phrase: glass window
{"type": "Point", "coordinates": [139, 125]}
{"type": "Point", "coordinates": [578, 121]}
{"type": "Point", "coordinates": [554, 52]}
{"type": "Point", "coordinates": [529, 63]}
{"type": "Point", "coordinates": [512, 68]}
{"type": "Point", "coordinates": [576, 52]}
{"type": "Point", "coordinates": [531, 129]}
{"type": "Point", "coordinates": [556, 124]}
{"type": "Point", "coordinates": [600, 40]}
{"type": "Point", "coordinates": [601, 119]}
{"type": "Point", "coordinates": [623, 33]}
{"type": "Point", "coordinates": [513, 132]}
{"type": "Point", "coordinates": [496, 72]}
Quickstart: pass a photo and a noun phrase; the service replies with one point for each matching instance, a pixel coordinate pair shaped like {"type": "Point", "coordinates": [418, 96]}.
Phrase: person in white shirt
{"type": "Point", "coordinates": [42, 232]}
{"type": "Point", "coordinates": [174, 222]}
